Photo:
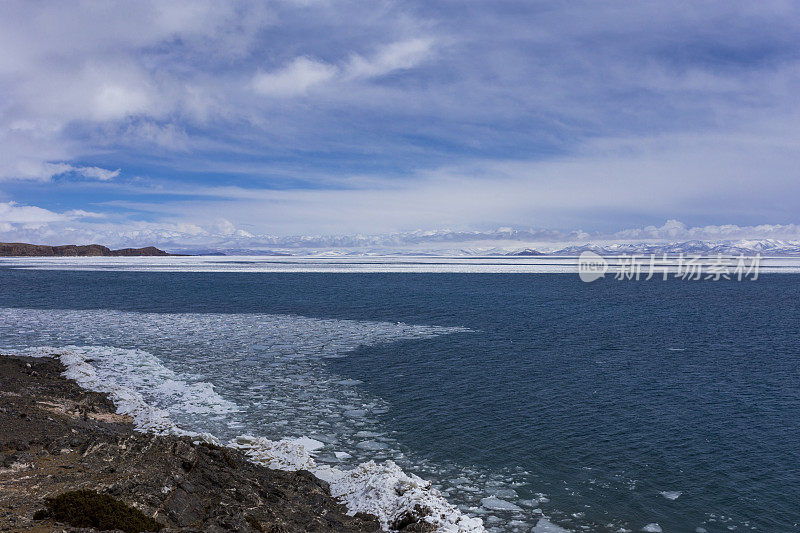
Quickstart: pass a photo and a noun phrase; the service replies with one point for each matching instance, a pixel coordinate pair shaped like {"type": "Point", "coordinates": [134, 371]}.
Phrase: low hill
{"type": "Point", "coordinates": [21, 249]}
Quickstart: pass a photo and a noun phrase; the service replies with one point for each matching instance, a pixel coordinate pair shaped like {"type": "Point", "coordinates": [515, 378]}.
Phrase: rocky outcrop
{"type": "Point", "coordinates": [20, 249]}
{"type": "Point", "coordinates": [148, 250]}
{"type": "Point", "coordinates": [58, 438]}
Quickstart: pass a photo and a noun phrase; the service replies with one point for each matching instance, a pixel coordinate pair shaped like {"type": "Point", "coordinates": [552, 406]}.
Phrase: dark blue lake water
{"type": "Point", "coordinates": [623, 403]}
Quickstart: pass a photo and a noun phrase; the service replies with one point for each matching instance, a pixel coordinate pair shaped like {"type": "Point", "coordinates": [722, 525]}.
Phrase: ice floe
{"type": "Point", "coordinates": [494, 503]}
{"type": "Point", "coordinates": [546, 526]}
{"type": "Point", "coordinates": [270, 381]}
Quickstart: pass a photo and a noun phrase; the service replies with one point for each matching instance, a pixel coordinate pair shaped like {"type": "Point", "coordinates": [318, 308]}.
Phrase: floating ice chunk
{"type": "Point", "coordinates": [505, 493]}
{"type": "Point", "coordinates": [311, 445]}
{"type": "Point", "coordinates": [671, 494]}
{"type": "Point", "coordinates": [652, 528]}
{"type": "Point", "coordinates": [546, 526]}
{"type": "Point", "coordinates": [372, 445]}
{"type": "Point", "coordinates": [342, 455]}
{"type": "Point", "coordinates": [496, 504]}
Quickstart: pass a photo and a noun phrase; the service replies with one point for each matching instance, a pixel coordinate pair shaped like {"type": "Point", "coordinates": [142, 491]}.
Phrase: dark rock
{"type": "Point", "coordinates": [183, 486]}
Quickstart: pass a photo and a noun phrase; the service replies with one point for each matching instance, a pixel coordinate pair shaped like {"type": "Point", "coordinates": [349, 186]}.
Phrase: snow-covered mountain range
{"type": "Point", "coordinates": [764, 247]}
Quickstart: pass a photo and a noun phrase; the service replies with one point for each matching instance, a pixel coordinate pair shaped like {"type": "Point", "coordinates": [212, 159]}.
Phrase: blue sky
{"type": "Point", "coordinates": [232, 123]}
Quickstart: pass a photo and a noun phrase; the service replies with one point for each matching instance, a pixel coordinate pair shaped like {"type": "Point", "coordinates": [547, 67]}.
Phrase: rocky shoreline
{"type": "Point", "coordinates": [56, 437]}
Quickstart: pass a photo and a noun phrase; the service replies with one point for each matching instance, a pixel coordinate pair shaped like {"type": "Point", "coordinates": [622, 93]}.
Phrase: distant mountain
{"type": "Point", "coordinates": [527, 252]}
{"type": "Point", "coordinates": [230, 251]}
{"type": "Point", "coordinates": [20, 249]}
{"type": "Point", "coordinates": [766, 247]}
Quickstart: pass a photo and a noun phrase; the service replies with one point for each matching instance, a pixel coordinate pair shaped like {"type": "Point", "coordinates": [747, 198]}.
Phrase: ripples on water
{"type": "Point", "coordinates": [604, 406]}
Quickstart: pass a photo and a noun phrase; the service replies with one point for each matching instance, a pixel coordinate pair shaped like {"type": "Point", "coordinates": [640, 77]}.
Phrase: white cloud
{"type": "Point", "coordinates": [396, 56]}
{"type": "Point", "coordinates": [114, 101]}
{"type": "Point", "coordinates": [673, 230]}
{"type": "Point", "coordinates": [518, 121]}
{"type": "Point", "coordinates": [150, 133]}
{"type": "Point", "coordinates": [304, 73]}
{"type": "Point", "coordinates": [97, 173]}
{"type": "Point", "coordinates": [296, 78]}
{"type": "Point", "coordinates": [80, 213]}
{"type": "Point", "coordinates": [33, 224]}
{"type": "Point", "coordinates": [33, 220]}
{"type": "Point", "coordinates": [80, 64]}
{"type": "Point", "coordinates": [609, 183]}
{"type": "Point", "coordinates": [32, 169]}
{"type": "Point", "coordinates": [13, 213]}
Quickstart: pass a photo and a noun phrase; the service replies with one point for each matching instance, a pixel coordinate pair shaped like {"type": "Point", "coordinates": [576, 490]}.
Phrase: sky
{"type": "Point", "coordinates": [245, 124]}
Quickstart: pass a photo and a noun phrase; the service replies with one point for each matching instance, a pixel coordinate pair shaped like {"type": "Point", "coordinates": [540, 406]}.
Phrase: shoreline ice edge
{"type": "Point", "coordinates": [383, 490]}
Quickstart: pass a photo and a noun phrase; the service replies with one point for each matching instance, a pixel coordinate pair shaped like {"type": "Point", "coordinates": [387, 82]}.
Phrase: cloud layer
{"type": "Point", "coordinates": [20, 223]}
{"type": "Point", "coordinates": [332, 117]}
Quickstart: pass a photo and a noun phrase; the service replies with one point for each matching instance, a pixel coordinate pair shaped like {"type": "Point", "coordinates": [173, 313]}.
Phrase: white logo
{"type": "Point", "coordinates": [591, 266]}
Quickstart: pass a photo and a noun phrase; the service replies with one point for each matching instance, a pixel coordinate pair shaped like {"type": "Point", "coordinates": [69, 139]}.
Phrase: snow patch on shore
{"type": "Point", "coordinates": [382, 490]}
{"type": "Point", "coordinates": [395, 497]}
{"type": "Point", "coordinates": [97, 368]}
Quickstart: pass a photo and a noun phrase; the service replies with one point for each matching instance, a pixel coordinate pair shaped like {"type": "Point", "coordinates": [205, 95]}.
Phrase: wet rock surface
{"type": "Point", "coordinates": [56, 437]}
